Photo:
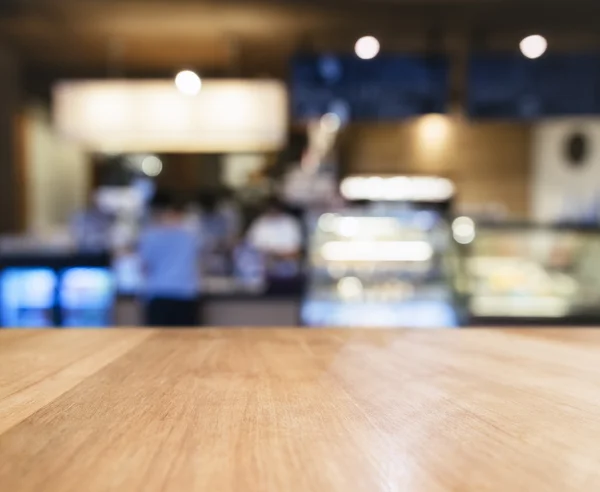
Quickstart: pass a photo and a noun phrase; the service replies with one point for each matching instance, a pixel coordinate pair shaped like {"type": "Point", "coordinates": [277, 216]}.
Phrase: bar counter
{"type": "Point", "coordinates": [299, 410]}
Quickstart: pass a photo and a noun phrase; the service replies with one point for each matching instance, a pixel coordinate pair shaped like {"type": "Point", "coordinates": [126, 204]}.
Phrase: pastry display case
{"type": "Point", "coordinates": [374, 268]}
{"type": "Point", "coordinates": [528, 273]}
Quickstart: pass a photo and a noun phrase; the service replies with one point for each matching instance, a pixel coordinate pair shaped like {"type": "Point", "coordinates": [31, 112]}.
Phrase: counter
{"type": "Point", "coordinates": [225, 302]}
{"type": "Point", "coordinates": [64, 288]}
{"type": "Point", "coordinates": [221, 310]}
{"type": "Point", "coordinates": [296, 410]}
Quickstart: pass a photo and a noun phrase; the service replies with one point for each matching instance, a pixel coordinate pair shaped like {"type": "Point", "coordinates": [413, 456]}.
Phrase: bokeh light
{"type": "Point", "coordinates": [533, 46]}
{"type": "Point", "coordinates": [188, 82]}
{"type": "Point", "coordinates": [151, 166]}
{"type": "Point", "coordinates": [367, 47]}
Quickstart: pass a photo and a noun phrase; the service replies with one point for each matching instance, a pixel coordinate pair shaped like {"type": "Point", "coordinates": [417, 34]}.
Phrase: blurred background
{"type": "Point", "coordinates": [397, 163]}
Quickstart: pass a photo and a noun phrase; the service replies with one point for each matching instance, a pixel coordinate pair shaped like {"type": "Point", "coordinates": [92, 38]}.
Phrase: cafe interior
{"type": "Point", "coordinates": [440, 159]}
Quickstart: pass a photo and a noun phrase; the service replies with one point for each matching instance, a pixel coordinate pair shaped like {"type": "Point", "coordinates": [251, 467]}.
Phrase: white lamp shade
{"type": "Point", "coordinates": [153, 116]}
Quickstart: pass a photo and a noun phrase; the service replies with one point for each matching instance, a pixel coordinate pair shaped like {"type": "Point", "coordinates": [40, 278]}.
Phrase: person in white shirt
{"type": "Point", "coordinates": [276, 232]}
{"type": "Point", "coordinates": [278, 237]}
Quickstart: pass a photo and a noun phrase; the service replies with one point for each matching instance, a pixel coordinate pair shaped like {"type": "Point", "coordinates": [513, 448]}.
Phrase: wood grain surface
{"type": "Point", "coordinates": [299, 410]}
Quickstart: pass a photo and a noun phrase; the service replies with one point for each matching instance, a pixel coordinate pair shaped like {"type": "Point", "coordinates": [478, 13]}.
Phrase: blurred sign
{"type": "Point", "coordinates": [388, 87]}
{"type": "Point", "coordinates": [512, 86]}
{"type": "Point", "coordinates": [153, 116]}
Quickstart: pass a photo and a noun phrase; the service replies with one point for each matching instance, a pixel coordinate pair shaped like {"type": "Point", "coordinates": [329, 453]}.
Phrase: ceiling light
{"type": "Point", "coordinates": [433, 130]}
{"type": "Point", "coordinates": [152, 116]}
{"type": "Point", "coordinates": [367, 47]}
{"type": "Point", "coordinates": [188, 82]}
{"type": "Point", "coordinates": [533, 46]}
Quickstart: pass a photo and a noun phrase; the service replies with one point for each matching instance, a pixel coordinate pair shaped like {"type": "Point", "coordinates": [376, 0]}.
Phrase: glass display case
{"type": "Point", "coordinates": [27, 297]}
{"type": "Point", "coordinates": [532, 273]}
{"type": "Point", "coordinates": [55, 289]}
{"type": "Point", "coordinates": [86, 297]}
{"type": "Point", "coordinates": [370, 268]}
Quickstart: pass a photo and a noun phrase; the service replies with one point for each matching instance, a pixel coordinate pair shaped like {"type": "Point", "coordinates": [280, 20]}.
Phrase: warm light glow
{"type": "Point", "coordinates": [367, 47]}
{"type": "Point", "coordinates": [151, 166]}
{"type": "Point", "coordinates": [188, 82]}
{"type": "Point", "coordinates": [463, 230]}
{"type": "Point", "coordinates": [533, 46]}
{"type": "Point", "coordinates": [433, 129]}
{"type": "Point", "coordinates": [350, 288]}
{"type": "Point", "coordinates": [397, 188]}
{"type": "Point", "coordinates": [376, 251]}
{"type": "Point", "coordinates": [129, 116]}
{"type": "Point", "coordinates": [508, 306]}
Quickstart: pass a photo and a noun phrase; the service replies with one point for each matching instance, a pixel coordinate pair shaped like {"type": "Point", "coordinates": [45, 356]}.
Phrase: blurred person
{"type": "Point", "coordinates": [214, 229]}
{"type": "Point", "coordinates": [277, 234]}
{"type": "Point", "coordinates": [169, 253]}
{"type": "Point", "coordinates": [229, 209]}
{"type": "Point", "coordinates": [248, 265]}
{"type": "Point", "coordinates": [91, 227]}
{"type": "Point", "coordinates": [213, 223]}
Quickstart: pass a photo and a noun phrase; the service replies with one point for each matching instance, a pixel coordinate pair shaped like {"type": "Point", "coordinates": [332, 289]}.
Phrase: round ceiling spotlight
{"type": "Point", "coordinates": [367, 47]}
{"type": "Point", "coordinates": [188, 82]}
{"type": "Point", "coordinates": [533, 46]}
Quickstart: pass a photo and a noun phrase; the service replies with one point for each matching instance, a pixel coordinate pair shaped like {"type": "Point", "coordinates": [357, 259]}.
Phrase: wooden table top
{"type": "Point", "coordinates": [299, 410]}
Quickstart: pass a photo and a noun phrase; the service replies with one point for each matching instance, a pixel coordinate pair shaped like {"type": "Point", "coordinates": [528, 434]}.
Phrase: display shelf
{"type": "Point", "coordinates": [373, 268]}
{"type": "Point", "coordinates": [533, 273]}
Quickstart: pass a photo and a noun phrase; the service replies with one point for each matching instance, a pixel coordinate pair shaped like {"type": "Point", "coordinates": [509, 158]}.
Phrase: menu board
{"type": "Point", "coordinates": [389, 87]}
{"type": "Point", "coordinates": [512, 86]}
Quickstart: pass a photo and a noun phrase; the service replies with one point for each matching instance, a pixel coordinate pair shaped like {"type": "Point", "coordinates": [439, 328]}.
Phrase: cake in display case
{"type": "Point", "coordinates": [370, 268]}
{"type": "Point", "coordinates": [533, 273]}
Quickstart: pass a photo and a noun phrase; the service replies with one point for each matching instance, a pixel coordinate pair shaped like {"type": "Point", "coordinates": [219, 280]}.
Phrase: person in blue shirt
{"type": "Point", "coordinates": [169, 252]}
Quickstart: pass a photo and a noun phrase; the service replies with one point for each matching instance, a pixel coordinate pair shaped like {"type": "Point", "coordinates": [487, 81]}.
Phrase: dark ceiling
{"type": "Point", "coordinates": [157, 37]}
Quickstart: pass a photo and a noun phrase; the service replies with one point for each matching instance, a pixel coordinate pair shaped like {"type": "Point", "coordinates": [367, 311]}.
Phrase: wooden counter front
{"type": "Point", "coordinates": [299, 410]}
